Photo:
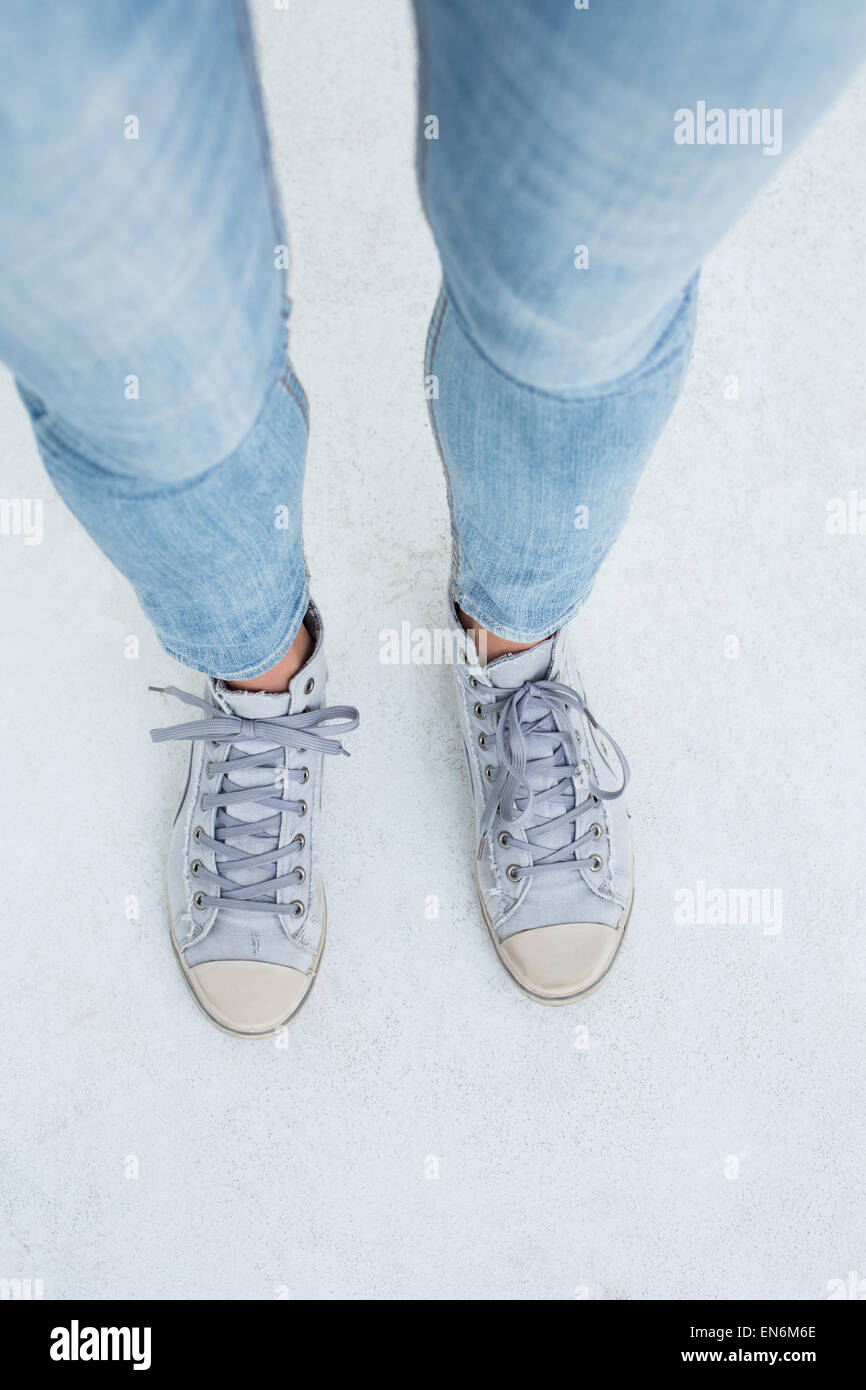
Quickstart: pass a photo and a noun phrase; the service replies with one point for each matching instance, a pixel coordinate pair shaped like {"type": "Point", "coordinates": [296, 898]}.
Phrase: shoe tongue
{"type": "Point", "coordinates": [518, 667]}
{"type": "Point", "coordinates": [251, 704]}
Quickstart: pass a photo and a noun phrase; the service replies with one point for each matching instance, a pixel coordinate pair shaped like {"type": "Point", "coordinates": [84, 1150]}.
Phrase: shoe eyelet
{"type": "Point", "coordinates": [214, 743]}
{"type": "Point", "coordinates": [504, 838]}
{"type": "Point", "coordinates": [513, 872]}
{"type": "Point", "coordinates": [597, 829]}
{"type": "Point", "coordinates": [301, 875]}
{"type": "Point", "coordinates": [208, 769]}
{"type": "Point", "coordinates": [195, 866]}
{"type": "Point", "coordinates": [299, 840]}
{"type": "Point", "coordinates": [473, 681]}
{"type": "Point", "coordinates": [299, 909]}
{"type": "Point", "coordinates": [595, 863]}
{"type": "Point", "coordinates": [197, 833]}
{"type": "Point", "coordinates": [478, 710]}
{"type": "Point", "coordinates": [201, 802]}
{"type": "Point", "coordinates": [306, 776]}
{"type": "Point", "coordinates": [576, 734]}
{"type": "Point", "coordinates": [488, 772]}
{"type": "Point", "coordinates": [309, 687]}
{"type": "Point", "coordinates": [198, 901]}
{"type": "Point", "coordinates": [482, 740]}
{"type": "Point", "coordinates": [595, 800]}
{"type": "Point", "coordinates": [303, 810]}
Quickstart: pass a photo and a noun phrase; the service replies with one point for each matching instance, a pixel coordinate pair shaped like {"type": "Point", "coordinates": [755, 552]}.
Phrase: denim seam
{"type": "Point", "coordinates": [432, 344]}
{"type": "Point", "coordinates": [297, 392]}
{"type": "Point", "coordinates": [299, 395]}
{"type": "Point", "coordinates": [293, 385]}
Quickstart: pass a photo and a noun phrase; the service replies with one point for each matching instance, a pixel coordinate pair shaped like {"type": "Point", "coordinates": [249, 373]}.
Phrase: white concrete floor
{"type": "Point", "coordinates": [694, 1130]}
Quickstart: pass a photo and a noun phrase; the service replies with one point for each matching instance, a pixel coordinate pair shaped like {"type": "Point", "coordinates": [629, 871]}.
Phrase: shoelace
{"type": "Point", "coordinates": [280, 731]}
{"type": "Point", "coordinates": [526, 711]}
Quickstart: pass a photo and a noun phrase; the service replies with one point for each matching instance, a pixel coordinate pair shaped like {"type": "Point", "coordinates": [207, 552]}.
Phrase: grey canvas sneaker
{"type": "Point", "coordinates": [554, 870]}
{"type": "Point", "coordinates": [245, 892]}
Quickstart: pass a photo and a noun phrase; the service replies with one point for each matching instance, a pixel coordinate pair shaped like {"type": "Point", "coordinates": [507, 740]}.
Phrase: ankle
{"type": "Point", "coordinates": [276, 680]}
{"type": "Point", "coordinates": [487, 644]}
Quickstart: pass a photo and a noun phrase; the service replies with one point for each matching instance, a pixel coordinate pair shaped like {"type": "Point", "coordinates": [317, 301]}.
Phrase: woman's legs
{"type": "Point", "coordinates": [572, 216]}
{"type": "Point", "coordinates": [143, 311]}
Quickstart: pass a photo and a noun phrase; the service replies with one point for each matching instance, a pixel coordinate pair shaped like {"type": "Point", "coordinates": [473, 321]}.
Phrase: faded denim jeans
{"type": "Point", "coordinates": [577, 164]}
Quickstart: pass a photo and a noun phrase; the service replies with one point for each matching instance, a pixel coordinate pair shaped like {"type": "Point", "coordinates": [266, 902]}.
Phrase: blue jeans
{"type": "Point", "coordinates": [574, 177]}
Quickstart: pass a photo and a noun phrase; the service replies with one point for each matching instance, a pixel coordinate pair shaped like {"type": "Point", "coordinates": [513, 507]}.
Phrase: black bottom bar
{"type": "Point", "coordinates": [261, 1340]}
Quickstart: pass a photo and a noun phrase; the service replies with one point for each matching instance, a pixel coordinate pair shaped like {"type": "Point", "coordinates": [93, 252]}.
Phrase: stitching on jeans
{"type": "Point", "coordinates": [296, 390]}
{"type": "Point", "coordinates": [290, 381]}
{"type": "Point", "coordinates": [432, 344]}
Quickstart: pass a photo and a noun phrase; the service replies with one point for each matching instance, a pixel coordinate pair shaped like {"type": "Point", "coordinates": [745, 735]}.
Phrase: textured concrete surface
{"type": "Point", "coordinates": [696, 1128]}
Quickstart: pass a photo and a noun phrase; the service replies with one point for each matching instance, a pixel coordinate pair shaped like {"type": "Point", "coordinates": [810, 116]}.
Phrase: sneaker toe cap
{"type": "Point", "coordinates": [557, 964]}
{"type": "Point", "coordinates": [249, 997]}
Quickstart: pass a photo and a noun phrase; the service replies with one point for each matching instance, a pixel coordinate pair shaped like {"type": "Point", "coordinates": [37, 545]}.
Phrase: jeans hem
{"type": "Point", "coordinates": [208, 661]}
{"type": "Point", "coordinates": [482, 613]}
